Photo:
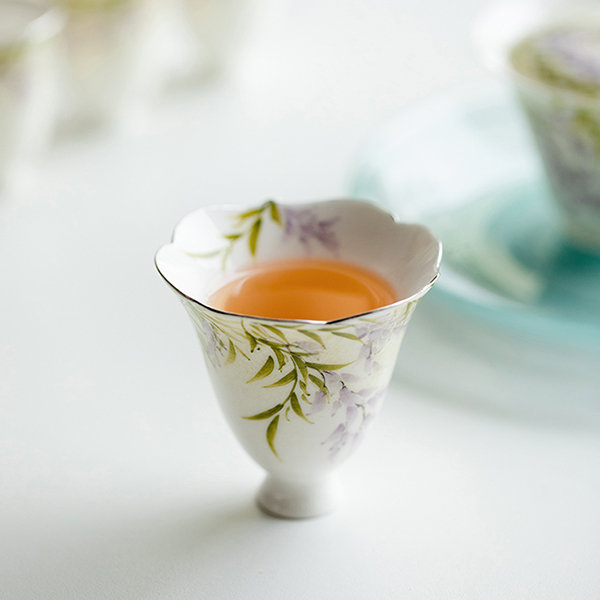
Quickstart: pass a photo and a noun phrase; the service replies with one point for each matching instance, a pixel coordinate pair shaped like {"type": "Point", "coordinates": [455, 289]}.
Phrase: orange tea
{"type": "Point", "coordinates": [312, 289]}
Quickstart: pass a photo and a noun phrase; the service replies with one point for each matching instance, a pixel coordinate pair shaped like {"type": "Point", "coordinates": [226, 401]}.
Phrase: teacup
{"type": "Point", "coordinates": [562, 107]}
{"type": "Point", "coordinates": [299, 394]}
{"type": "Point", "coordinates": [28, 87]}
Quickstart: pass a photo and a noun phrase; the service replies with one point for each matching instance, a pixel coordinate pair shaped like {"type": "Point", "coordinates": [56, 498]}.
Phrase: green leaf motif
{"type": "Point", "coordinates": [276, 331]}
{"type": "Point", "coordinates": [314, 336]}
{"type": "Point", "coordinates": [287, 378]}
{"type": "Point", "coordinates": [247, 226]}
{"type": "Point", "coordinates": [325, 366]}
{"type": "Point", "coordinates": [296, 407]}
{"type": "Point", "coordinates": [279, 356]}
{"type": "Point", "coordinates": [232, 353]}
{"type": "Point", "coordinates": [348, 336]}
{"type": "Point", "coordinates": [301, 366]}
{"type": "Point", "coordinates": [250, 213]}
{"type": "Point", "coordinates": [271, 433]}
{"type": "Point", "coordinates": [253, 341]}
{"type": "Point", "coordinates": [274, 346]}
{"type": "Point", "coordinates": [318, 382]}
{"type": "Point", "coordinates": [266, 414]}
{"type": "Point", "coordinates": [264, 371]}
{"type": "Point", "coordinates": [274, 210]}
{"type": "Point", "coordinates": [298, 369]}
{"type": "Point", "coordinates": [225, 256]}
{"type": "Point", "coordinates": [253, 237]}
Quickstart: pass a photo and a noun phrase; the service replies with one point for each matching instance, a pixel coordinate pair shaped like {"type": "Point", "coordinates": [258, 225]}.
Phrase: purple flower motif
{"type": "Point", "coordinates": [319, 402]}
{"type": "Point", "coordinates": [308, 346]}
{"type": "Point", "coordinates": [332, 379]}
{"type": "Point", "coordinates": [360, 409]}
{"type": "Point", "coordinates": [367, 354]}
{"type": "Point", "coordinates": [345, 397]}
{"type": "Point", "coordinates": [349, 378]}
{"type": "Point", "coordinates": [352, 414]}
{"type": "Point", "coordinates": [305, 225]}
{"type": "Point", "coordinates": [570, 50]}
{"type": "Point", "coordinates": [212, 344]}
{"type": "Point", "coordinates": [337, 440]}
{"type": "Point", "coordinates": [375, 336]}
{"type": "Point", "coordinates": [374, 402]}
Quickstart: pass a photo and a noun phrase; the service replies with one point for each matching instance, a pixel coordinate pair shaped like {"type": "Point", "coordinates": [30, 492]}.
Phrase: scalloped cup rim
{"type": "Point", "coordinates": [240, 207]}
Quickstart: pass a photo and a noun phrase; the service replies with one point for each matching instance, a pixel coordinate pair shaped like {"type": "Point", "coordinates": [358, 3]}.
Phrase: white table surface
{"type": "Point", "coordinates": [118, 476]}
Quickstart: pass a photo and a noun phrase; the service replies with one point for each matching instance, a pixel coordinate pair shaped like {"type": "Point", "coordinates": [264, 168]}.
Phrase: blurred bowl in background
{"type": "Point", "coordinates": [210, 37]}
{"type": "Point", "coordinates": [107, 67]}
{"type": "Point", "coordinates": [218, 26]}
{"type": "Point", "coordinates": [552, 58]}
{"type": "Point", "coordinates": [464, 165]}
{"type": "Point", "coordinates": [29, 88]}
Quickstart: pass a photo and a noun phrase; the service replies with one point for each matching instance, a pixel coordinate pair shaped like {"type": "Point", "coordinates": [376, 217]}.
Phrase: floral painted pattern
{"type": "Point", "coordinates": [303, 224]}
{"type": "Point", "coordinates": [298, 394]}
{"type": "Point", "coordinates": [293, 358]}
{"type": "Point", "coordinates": [359, 410]}
{"type": "Point", "coordinates": [289, 357]}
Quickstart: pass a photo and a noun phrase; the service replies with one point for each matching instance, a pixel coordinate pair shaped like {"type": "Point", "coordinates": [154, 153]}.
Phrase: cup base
{"type": "Point", "coordinates": [298, 499]}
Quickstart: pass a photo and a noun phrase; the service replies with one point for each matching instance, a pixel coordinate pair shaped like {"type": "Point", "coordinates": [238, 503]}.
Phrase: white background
{"type": "Point", "coordinates": [118, 476]}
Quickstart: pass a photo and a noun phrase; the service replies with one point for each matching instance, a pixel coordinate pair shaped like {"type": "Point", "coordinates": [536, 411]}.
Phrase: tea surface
{"type": "Point", "coordinates": [312, 289]}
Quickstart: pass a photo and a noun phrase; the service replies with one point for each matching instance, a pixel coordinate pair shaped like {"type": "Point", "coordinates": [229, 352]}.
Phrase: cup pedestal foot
{"type": "Point", "coordinates": [298, 499]}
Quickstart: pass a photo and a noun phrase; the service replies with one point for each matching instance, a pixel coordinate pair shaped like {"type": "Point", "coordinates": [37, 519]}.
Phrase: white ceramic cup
{"type": "Point", "coordinates": [299, 394]}
{"type": "Point", "coordinates": [29, 89]}
{"type": "Point", "coordinates": [565, 123]}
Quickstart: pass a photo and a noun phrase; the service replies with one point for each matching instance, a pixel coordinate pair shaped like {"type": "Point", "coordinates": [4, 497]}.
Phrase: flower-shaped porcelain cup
{"type": "Point", "coordinates": [551, 57]}
{"type": "Point", "coordinates": [299, 394]}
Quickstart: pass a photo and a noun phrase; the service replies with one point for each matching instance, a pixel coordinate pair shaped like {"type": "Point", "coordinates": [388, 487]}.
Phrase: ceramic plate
{"type": "Point", "coordinates": [464, 165]}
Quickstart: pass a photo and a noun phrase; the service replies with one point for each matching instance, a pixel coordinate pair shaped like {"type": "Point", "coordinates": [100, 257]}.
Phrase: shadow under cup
{"type": "Point", "coordinates": [299, 395]}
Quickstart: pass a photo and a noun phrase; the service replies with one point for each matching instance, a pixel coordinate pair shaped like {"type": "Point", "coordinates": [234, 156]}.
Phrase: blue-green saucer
{"type": "Point", "coordinates": [464, 165]}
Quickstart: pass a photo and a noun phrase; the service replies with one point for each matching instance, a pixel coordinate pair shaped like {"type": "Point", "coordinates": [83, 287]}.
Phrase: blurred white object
{"type": "Point", "coordinates": [216, 29]}
{"type": "Point", "coordinates": [107, 75]}
{"type": "Point", "coordinates": [28, 87]}
{"type": "Point", "coordinates": [500, 26]}
{"type": "Point", "coordinates": [564, 118]}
